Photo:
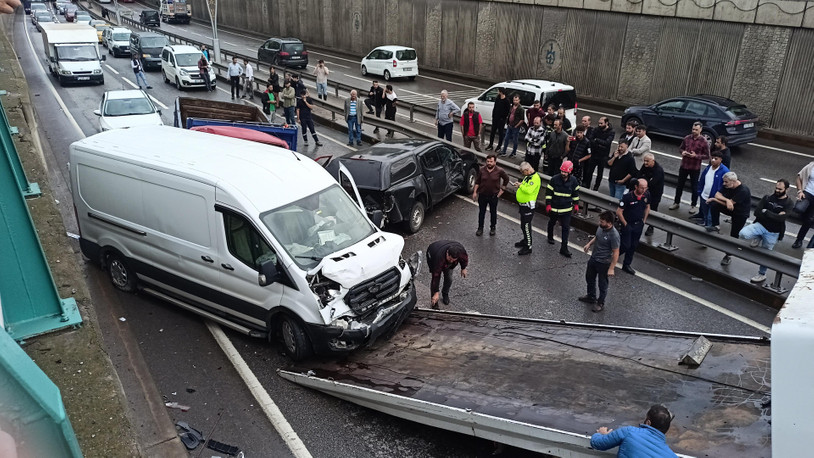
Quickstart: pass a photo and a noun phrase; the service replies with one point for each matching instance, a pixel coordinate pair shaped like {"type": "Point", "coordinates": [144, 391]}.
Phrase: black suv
{"type": "Point", "coordinates": [287, 52]}
{"type": "Point", "coordinates": [149, 18]}
{"type": "Point", "coordinates": [404, 178]}
{"type": "Point", "coordinates": [148, 46]}
{"type": "Point", "coordinates": [719, 115]}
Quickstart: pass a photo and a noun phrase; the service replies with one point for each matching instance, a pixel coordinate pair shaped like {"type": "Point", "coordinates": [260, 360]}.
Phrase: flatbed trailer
{"type": "Point", "coordinates": [546, 386]}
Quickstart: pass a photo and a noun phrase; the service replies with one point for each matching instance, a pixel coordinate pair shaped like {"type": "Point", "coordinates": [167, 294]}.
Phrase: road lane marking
{"type": "Point", "coordinates": [111, 69]}
{"type": "Point", "coordinates": [230, 43]}
{"type": "Point", "coordinates": [452, 82]}
{"type": "Point", "coordinates": [273, 413]}
{"type": "Point", "coordinates": [780, 149]}
{"type": "Point", "coordinates": [135, 86]}
{"type": "Point", "coordinates": [655, 281]}
{"type": "Point", "coordinates": [158, 103]}
{"type": "Point", "coordinates": [599, 113]}
{"type": "Point", "coordinates": [769, 180]}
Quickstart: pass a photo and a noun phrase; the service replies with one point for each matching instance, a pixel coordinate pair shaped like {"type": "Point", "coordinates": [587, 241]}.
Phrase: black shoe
{"type": "Point", "coordinates": [369, 112]}
{"type": "Point", "coordinates": [358, 143]}
{"type": "Point", "coordinates": [598, 307]}
{"type": "Point", "coordinates": [489, 148]}
{"type": "Point", "coordinates": [319, 143]}
{"type": "Point", "coordinates": [628, 269]}
{"type": "Point", "coordinates": [479, 232]}
{"type": "Point", "coordinates": [551, 241]}
{"type": "Point", "coordinates": [649, 231]}
{"type": "Point", "coordinates": [797, 244]}
{"type": "Point", "coordinates": [376, 130]}
{"type": "Point", "coordinates": [697, 216]}
{"type": "Point", "coordinates": [524, 251]}
{"type": "Point", "coordinates": [519, 244]}
{"type": "Point", "coordinates": [587, 299]}
{"type": "Point", "coordinates": [445, 299]}
{"type": "Point", "coordinates": [492, 231]}
{"type": "Point", "coordinates": [149, 87]}
{"type": "Point", "coordinates": [565, 252]}
{"type": "Point", "coordinates": [305, 142]}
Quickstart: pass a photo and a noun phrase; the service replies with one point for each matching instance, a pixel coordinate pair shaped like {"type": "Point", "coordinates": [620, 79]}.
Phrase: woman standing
{"type": "Point", "coordinates": [390, 102]}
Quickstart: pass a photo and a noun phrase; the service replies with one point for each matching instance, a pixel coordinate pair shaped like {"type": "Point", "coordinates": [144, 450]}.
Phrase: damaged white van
{"type": "Point", "coordinates": [257, 238]}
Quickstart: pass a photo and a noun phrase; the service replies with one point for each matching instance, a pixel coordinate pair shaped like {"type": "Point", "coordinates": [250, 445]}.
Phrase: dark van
{"type": "Point", "coordinates": [149, 18]}
{"type": "Point", "coordinates": [148, 46]}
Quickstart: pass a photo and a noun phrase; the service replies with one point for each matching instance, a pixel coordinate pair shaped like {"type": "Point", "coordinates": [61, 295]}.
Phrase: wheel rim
{"type": "Point", "coordinates": [386, 75]}
{"type": "Point", "coordinates": [364, 70]}
{"type": "Point", "coordinates": [417, 217]}
{"type": "Point", "coordinates": [118, 273]}
{"type": "Point", "coordinates": [708, 138]}
{"type": "Point", "coordinates": [288, 336]}
{"type": "Point", "coordinates": [471, 181]}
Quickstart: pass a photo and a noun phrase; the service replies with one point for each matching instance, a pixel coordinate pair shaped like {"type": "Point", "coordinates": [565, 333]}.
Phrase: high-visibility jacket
{"type": "Point", "coordinates": [529, 188]}
{"type": "Point", "coordinates": [561, 194]}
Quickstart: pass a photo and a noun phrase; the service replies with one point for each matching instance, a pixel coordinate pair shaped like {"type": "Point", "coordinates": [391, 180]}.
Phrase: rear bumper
{"type": "Point", "coordinates": [400, 72]}
{"type": "Point", "coordinates": [741, 138]}
{"type": "Point", "coordinates": [294, 62]}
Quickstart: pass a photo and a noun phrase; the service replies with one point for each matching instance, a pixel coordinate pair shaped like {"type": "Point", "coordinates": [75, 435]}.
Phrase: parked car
{"type": "Point", "coordinates": [179, 65]}
{"type": "Point", "coordinates": [83, 17]}
{"type": "Point", "coordinates": [43, 18]}
{"type": "Point", "coordinates": [117, 41]}
{"type": "Point", "coordinates": [674, 117]}
{"type": "Point", "coordinates": [149, 18]}
{"type": "Point", "coordinates": [288, 52]}
{"type": "Point", "coordinates": [405, 178]}
{"type": "Point", "coordinates": [127, 108]}
{"type": "Point", "coordinates": [100, 27]}
{"type": "Point", "coordinates": [391, 62]}
{"type": "Point", "coordinates": [37, 8]}
{"type": "Point", "coordinates": [547, 92]}
{"type": "Point", "coordinates": [70, 13]}
{"type": "Point", "coordinates": [148, 45]}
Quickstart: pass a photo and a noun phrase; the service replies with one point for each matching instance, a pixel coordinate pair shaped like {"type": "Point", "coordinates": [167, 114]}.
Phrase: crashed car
{"type": "Point", "coordinates": [402, 179]}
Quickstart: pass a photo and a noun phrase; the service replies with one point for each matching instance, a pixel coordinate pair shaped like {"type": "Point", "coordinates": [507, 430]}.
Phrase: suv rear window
{"type": "Point", "coordinates": [565, 99]}
{"type": "Point", "coordinates": [406, 54]}
{"type": "Point", "coordinates": [526, 98]}
{"type": "Point", "coordinates": [293, 47]}
{"type": "Point", "coordinates": [739, 110]}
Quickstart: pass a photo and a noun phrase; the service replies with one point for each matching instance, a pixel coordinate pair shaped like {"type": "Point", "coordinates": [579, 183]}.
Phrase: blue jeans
{"type": "Point", "coordinates": [322, 89]}
{"type": "Point", "coordinates": [141, 79]}
{"type": "Point", "coordinates": [290, 115]}
{"type": "Point", "coordinates": [511, 135]}
{"type": "Point", "coordinates": [767, 239]}
{"type": "Point", "coordinates": [354, 130]}
{"type": "Point", "coordinates": [705, 212]}
{"type": "Point", "coordinates": [445, 130]}
{"type": "Point", "coordinates": [616, 190]}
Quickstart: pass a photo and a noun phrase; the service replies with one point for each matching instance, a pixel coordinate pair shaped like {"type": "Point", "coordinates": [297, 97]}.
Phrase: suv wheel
{"type": "Point", "coordinates": [178, 84]}
{"type": "Point", "coordinates": [294, 339]}
{"type": "Point", "coordinates": [364, 70]}
{"type": "Point", "coordinates": [387, 75]}
{"type": "Point", "coordinates": [710, 137]}
{"type": "Point", "coordinates": [469, 180]}
{"type": "Point", "coordinates": [416, 217]}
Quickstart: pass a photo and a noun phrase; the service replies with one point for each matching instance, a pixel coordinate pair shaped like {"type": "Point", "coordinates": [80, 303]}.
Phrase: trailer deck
{"type": "Point", "coordinates": [546, 386]}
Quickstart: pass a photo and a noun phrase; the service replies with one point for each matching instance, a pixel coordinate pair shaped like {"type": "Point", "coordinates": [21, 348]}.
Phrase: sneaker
{"type": "Point", "coordinates": [628, 269]}
{"type": "Point", "coordinates": [492, 231]}
{"type": "Point", "coordinates": [435, 306]}
{"type": "Point", "coordinates": [445, 299]}
{"type": "Point", "coordinates": [699, 222]}
{"type": "Point", "coordinates": [587, 299]}
{"type": "Point", "coordinates": [489, 148]}
{"type": "Point", "coordinates": [513, 155]}
{"type": "Point", "coordinates": [712, 228]}
{"type": "Point", "coordinates": [376, 130]}
{"type": "Point", "coordinates": [149, 87]}
{"type": "Point", "coordinates": [649, 231]}
{"type": "Point", "coordinates": [726, 260]}
{"type": "Point", "coordinates": [598, 307]}
{"type": "Point", "coordinates": [502, 153]}
{"type": "Point", "coordinates": [479, 232]}
{"type": "Point", "coordinates": [758, 278]}
{"type": "Point", "coordinates": [674, 206]}
{"type": "Point", "coordinates": [519, 244]}
{"type": "Point", "coordinates": [697, 216]}
{"type": "Point", "coordinates": [797, 244]}
{"type": "Point", "coordinates": [350, 144]}
{"type": "Point", "coordinates": [358, 143]}
{"type": "Point", "coordinates": [305, 142]}
{"type": "Point", "coordinates": [565, 252]}
{"type": "Point", "coordinates": [551, 241]}
{"type": "Point", "coordinates": [524, 251]}
{"type": "Point", "coordinates": [693, 209]}
{"type": "Point", "coordinates": [754, 243]}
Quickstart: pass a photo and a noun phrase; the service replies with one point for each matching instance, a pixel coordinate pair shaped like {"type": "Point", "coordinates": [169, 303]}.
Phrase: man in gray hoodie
{"type": "Point", "coordinates": [444, 116]}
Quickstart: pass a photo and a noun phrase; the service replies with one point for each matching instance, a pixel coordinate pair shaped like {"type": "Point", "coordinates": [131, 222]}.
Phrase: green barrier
{"type": "Point", "coordinates": [32, 410]}
{"type": "Point", "coordinates": [31, 304]}
{"type": "Point", "coordinates": [10, 153]}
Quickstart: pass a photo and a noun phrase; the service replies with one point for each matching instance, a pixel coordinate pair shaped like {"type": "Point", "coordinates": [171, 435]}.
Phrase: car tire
{"type": "Point", "coordinates": [166, 80]}
{"type": "Point", "coordinates": [416, 217]}
{"type": "Point", "coordinates": [364, 70]}
{"type": "Point", "coordinates": [635, 119]}
{"type": "Point", "coordinates": [710, 137]}
{"type": "Point", "coordinates": [469, 181]}
{"type": "Point", "coordinates": [411, 78]}
{"type": "Point", "coordinates": [295, 340]}
{"type": "Point", "coordinates": [386, 75]}
{"type": "Point", "coordinates": [120, 273]}
{"type": "Point", "coordinates": [178, 84]}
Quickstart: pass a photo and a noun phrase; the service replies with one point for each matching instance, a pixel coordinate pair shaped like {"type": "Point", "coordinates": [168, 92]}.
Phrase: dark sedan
{"type": "Point", "coordinates": [674, 118]}
{"type": "Point", "coordinates": [404, 178]}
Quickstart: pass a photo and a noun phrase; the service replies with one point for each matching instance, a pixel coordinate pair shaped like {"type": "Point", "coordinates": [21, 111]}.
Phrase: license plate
{"type": "Point", "coordinates": [295, 57]}
{"type": "Point", "coordinates": [83, 78]}
{"type": "Point", "coordinates": [408, 69]}
{"type": "Point", "coordinates": [197, 81]}
{"type": "Point", "coordinates": [749, 125]}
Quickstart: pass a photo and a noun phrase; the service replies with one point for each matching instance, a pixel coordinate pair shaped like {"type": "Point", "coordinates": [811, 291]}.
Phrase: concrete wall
{"type": "Point", "coordinates": [758, 52]}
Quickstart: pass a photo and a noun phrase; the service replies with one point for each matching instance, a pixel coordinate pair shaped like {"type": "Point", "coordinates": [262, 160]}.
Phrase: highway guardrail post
{"type": "Point", "coordinates": [12, 159]}
{"type": "Point", "coordinates": [668, 244]}
{"type": "Point", "coordinates": [775, 286]}
{"type": "Point", "coordinates": [412, 113]}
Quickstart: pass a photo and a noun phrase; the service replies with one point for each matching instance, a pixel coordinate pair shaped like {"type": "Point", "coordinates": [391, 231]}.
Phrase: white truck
{"type": "Point", "coordinates": [175, 11]}
{"type": "Point", "coordinates": [72, 53]}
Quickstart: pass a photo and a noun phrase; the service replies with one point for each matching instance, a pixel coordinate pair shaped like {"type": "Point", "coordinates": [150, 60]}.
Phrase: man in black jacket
{"type": "Point", "coordinates": [600, 152]}
{"type": "Point", "coordinates": [500, 111]}
{"type": "Point", "coordinates": [770, 222]}
{"type": "Point", "coordinates": [654, 174]}
{"type": "Point", "coordinates": [442, 258]}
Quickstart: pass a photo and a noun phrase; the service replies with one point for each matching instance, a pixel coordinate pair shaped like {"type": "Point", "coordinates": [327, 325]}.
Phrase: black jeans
{"type": "Point", "coordinates": [533, 160]}
{"type": "Point", "coordinates": [597, 269]}
{"type": "Point", "coordinates": [447, 273]}
{"type": "Point", "coordinates": [807, 218]}
{"type": "Point", "coordinates": [587, 175]}
{"type": "Point", "coordinates": [630, 236]}
{"type": "Point", "coordinates": [445, 131]}
{"type": "Point", "coordinates": [683, 174]}
{"type": "Point", "coordinates": [308, 124]}
{"type": "Point", "coordinates": [526, 215]}
{"type": "Point", "coordinates": [235, 80]}
{"type": "Point", "coordinates": [491, 201]}
{"type": "Point", "coordinates": [369, 103]}
{"type": "Point", "coordinates": [499, 129]}
{"type": "Point", "coordinates": [738, 220]}
{"type": "Point", "coordinates": [553, 166]}
{"type": "Point", "coordinates": [565, 222]}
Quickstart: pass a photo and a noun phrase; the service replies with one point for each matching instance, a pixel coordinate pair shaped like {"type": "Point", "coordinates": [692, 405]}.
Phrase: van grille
{"type": "Point", "coordinates": [365, 296]}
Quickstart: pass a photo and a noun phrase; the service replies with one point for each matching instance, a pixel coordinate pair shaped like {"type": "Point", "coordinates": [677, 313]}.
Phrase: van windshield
{"type": "Point", "coordinates": [188, 60]}
{"type": "Point", "coordinates": [318, 225]}
{"type": "Point", "coordinates": [77, 52]}
{"type": "Point", "coordinates": [121, 36]}
{"type": "Point", "coordinates": [154, 42]}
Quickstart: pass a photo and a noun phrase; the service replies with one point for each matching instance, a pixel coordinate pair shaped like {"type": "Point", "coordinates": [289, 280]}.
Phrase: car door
{"type": "Point", "coordinates": [695, 111]}
{"type": "Point", "coordinates": [384, 61]}
{"type": "Point", "coordinates": [453, 169]}
{"type": "Point", "coordinates": [274, 51]}
{"type": "Point", "coordinates": [241, 251]}
{"type": "Point", "coordinates": [263, 52]}
{"type": "Point", "coordinates": [369, 60]}
{"type": "Point", "coordinates": [485, 103]}
{"type": "Point", "coordinates": [665, 116]}
{"type": "Point", "coordinates": [373, 62]}
{"type": "Point", "coordinates": [434, 174]}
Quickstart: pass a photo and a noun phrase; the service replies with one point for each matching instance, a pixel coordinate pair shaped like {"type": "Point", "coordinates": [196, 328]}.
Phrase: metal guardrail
{"type": "Point", "coordinates": [780, 263]}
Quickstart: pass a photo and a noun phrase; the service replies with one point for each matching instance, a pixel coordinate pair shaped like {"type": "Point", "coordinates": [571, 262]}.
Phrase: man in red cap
{"type": "Point", "coordinates": [562, 197]}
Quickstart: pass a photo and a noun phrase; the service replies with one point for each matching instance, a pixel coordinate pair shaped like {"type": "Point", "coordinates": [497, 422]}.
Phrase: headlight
{"type": "Point", "coordinates": [146, 56]}
{"type": "Point", "coordinates": [183, 72]}
{"type": "Point", "coordinates": [65, 72]}
{"type": "Point", "coordinates": [324, 288]}
{"type": "Point", "coordinates": [98, 71]}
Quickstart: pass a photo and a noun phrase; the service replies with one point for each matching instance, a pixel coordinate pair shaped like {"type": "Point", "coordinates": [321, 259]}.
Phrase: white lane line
{"type": "Point", "coordinates": [158, 103]}
{"type": "Point", "coordinates": [111, 69]}
{"type": "Point", "coordinates": [52, 89]}
{"type": "Point", "coordinates": [655, 281]}
{"type": "Point", "coordinates": [275, 416]}
{"type": "Point", "coordinates": [352, 148]}
{"type": "Point", "coordinates": [780, 149]}
{"type": "Point", "coordinates": [600, 113]}
{"type": "Point", "coordinates": [769, 180]}
{"type": "Point", "coordinates": [334, 63]}
{"type": "Point", "coordinates": [135, 86]}
{"type": "Point", "coordinates": [230, 43]}
{"type": "Point", "coordinates": [452, 82]}
{"type": "Point", "coordinates": [196, 33]}
{"type": "Point", "coordinates": [366, 80]}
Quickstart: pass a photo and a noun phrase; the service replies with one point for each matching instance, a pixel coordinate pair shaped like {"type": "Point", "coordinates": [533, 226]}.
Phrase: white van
{"type": "Point", "coordinates": [547, 92]}
{"type": "Point", "coordinates": [257, 238]}
{"type": "Point", "coordinates": [391, 62]}
{"type": "Point", "coordinates": [179, 66]}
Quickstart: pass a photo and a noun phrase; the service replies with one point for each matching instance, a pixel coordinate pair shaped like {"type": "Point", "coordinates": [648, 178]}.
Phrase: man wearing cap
{"type": "Point", "coordinates": [561, 197]}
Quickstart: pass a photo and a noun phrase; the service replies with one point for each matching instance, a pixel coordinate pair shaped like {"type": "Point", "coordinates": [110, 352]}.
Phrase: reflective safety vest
{"type": "Point", "coordinates": [562, 195]}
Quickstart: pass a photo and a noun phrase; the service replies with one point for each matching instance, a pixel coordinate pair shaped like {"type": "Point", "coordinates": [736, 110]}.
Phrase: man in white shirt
{"type": "Point", "coordinates": [234, 71]}
{"type": "Point", "coordinates": [248, 79]}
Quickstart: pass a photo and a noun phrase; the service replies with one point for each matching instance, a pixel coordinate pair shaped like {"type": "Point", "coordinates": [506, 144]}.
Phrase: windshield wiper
{"type": "Point", "coordinates": [313, 258]}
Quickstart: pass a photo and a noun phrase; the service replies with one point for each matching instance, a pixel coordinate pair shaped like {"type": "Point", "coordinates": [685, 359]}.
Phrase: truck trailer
{"type": "Point", "coordinates": [175, 11]}
{"type": "Point", "coordinates": [72, 53]}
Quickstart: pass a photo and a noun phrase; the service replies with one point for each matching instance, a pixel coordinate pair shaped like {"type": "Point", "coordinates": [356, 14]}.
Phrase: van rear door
{"type": "Point", "coordinates": [566, 98]}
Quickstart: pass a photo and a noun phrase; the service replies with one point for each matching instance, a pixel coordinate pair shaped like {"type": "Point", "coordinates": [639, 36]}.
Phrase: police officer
{"type": "Point", "coordinates": [632, 213]}
{"type": "Point", "coordinates": [442, 258]}
{"type": "Point", "coordinates": [527, 190]}
{"type": "Point", "coordinates": [562, 196]}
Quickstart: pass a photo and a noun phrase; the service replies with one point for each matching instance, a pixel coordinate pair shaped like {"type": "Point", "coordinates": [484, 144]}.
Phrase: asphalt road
{"type": "Point", "coordinates": [182, 355]}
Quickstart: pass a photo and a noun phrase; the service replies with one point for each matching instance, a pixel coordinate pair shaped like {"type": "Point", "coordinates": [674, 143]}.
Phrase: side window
{"type": "Point", "coordinates": [447, 156]}
{"type": "Point", "coordinates": [165, 55]}
{"type": "Point", "coordinates": [526, 98]}
{"type": "Point", "coordinates": [489, 96]}
{"type": "Point", "coordinates": [402, 169]}
{"type": "Point", "coordinates": [697, 108]}
{"type": "Point", "coordinates": [430, 160]}
{"type": "Point", "coordinates": [275, 45]}
{"type": "Point", "coordinates": [374, 54]}
{"type": "Point", "coordinates": [385, 54]}
{"type": "Point", "coordinates": [672, 106]}
{"type": "Point", "coordinates": [245, 243]}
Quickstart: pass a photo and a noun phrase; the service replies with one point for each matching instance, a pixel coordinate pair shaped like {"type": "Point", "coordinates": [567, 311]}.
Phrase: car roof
{"type": "Point", "coordinates": [393, 47]}
{"type": "Point", "coordinates": [147, 34]}
{"type": "Point", "coordinates": [126, 94]}
{"type": "Point", "coordinates": [183, 49]}
{"type": "Point", "coordinates": [536, 84]}
{"type": "Point", "coordinates": [716, 99]}
{"type": "Point", "coordinates": [120, 30]}
{"type": "Point", "coordinates": [285, 39]}
{"type": "Point", "coordinates": [391, 150]}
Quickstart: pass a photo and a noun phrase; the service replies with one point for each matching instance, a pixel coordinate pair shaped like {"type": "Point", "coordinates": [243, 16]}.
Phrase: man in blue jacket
{"type": "Point", "coordinates": [709, 183]}
{"type": "Point", "coordinates": [647, 439]}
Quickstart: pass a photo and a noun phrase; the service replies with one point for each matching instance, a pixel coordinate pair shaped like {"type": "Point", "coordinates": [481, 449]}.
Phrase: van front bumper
{"type": "Point", "coordinates": [386, 319]}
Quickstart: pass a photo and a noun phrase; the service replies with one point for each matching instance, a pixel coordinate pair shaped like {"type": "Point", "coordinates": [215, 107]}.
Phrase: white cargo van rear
{"type": "Point", "coordinates": [258, 238]}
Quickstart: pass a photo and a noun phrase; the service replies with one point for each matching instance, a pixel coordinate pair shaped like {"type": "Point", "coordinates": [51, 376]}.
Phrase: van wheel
{"type": "Point", "coordinates": [166, 80]}
{"type": "Point", "coordinates": [411, 78]}
{"type": "Point", "coordinates": [386, 75]}
{"type": "Point", "coordinates": [416, 217]}
{"type": "Point", "coordinates": [178, 84]}
{"type": "Point", "coordinates": [364, 70]}
{"type": "Point", "coordinates": [469, 180]}
{"type": "Point", "coordinates": [122, 277]}
{"type": "Point", "coordinates": [295, 340]}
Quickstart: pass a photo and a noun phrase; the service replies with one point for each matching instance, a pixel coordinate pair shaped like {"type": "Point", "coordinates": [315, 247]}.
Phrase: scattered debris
{"type": "Point", "coordinates": [190, 437]}
{"type": "Point", "coordinates": [191, 390]}
{"type": "Point", "coordinates": [175, 405]}
{"type": "Point", "coordinates": [223, 448]}
{"type": "Point", "coordinates": [121, 318]}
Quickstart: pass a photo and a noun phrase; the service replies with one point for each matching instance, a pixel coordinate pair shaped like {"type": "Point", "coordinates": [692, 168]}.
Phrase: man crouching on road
{"type": "Point", "coordinates": [442, 258]}
{"type": "Point", "coordinates": [527, 191]}
{"type": "Point", "coordinates": [647, 439]}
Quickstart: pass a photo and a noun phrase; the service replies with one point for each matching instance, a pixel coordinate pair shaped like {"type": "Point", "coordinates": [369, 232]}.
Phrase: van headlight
{"type": "Point", "coordinates": [325, 289]}
{"type": "Point", "coordinates": [183, 72]}
{"type": "Point", "coordinates": [65, 72]}
{"type": "Point", "coordinates": [97, 71]}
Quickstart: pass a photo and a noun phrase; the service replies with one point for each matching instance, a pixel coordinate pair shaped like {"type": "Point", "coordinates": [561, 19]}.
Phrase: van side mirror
{"type": "Point", "coordinates": [377, 216]}
{"type": "Point", "coordinates": [104, 57]}
{"type": "Point", "coordinates": [97, 112]}
{"type": "Point", "coordinates": [268, 273]}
